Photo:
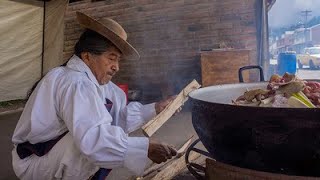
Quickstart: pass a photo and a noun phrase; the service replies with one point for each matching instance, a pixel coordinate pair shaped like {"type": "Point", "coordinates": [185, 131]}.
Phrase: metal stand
{"type": "Point", "coordinates": [196, 170]}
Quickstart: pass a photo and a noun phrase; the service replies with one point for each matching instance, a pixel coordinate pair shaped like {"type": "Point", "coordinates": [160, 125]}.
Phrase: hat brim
{"type": "Point", "coordinates": [127, 50]}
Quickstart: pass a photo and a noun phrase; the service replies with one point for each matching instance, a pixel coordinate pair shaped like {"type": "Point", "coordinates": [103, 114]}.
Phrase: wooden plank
{"type": "Point", "coordinates": [176, 167]}
{"type": "Point", "coordinates": [153, 125]}
{"type": "Point", "coordinates": [184, 147]}
{"type": "Point", "coordinates": [180, 152]}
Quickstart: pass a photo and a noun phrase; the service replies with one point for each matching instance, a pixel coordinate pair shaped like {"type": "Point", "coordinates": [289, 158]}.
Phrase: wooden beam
{"type": "Point", "coordinates": [184, 147]}
{"type": "Point", "coordinates": [153, 125]}
{"type": "Point", "coordinates": [176, 167]}
{"type": "Point", "coordinates": [155, 167]}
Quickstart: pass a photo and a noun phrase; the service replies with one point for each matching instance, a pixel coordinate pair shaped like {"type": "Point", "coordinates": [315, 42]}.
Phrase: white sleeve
{"type": "Point", "coordinates": [136, 114]}
{"type": "Point", "coordinates": [89, 123]}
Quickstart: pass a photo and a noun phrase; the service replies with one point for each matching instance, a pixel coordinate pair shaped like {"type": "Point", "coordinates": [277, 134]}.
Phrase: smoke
{"type": "Point", "coordinates": [288, 12]}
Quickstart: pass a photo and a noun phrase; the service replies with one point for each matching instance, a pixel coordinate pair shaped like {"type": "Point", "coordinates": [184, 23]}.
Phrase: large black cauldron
{"type": "Point", "coordinates": [278, 140]}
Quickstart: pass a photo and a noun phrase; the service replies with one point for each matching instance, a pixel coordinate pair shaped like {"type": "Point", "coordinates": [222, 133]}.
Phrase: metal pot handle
{"type": "Point", "coordinates": [250, 67]}
{"type": "Point", "coordinates": [194, 168]}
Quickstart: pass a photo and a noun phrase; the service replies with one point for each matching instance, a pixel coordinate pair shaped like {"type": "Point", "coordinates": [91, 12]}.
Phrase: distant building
{"type": "Point", "coordinates": [273, 47]}
{"type": "Point", "coordinates": [285, 42]}
{"type": "Point", "coordinates": [315, 34]}
{"type": "Point", "coordinates": [302, 39]}
{"type": "Point", "coordinates": [296, 40]}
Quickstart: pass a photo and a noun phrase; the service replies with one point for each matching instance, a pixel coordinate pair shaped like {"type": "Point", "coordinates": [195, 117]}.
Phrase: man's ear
{"type": "Point", "coordinates": [85, 57]}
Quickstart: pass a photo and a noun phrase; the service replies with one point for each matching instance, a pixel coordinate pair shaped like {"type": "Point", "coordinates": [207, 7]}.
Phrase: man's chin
{"type": "Point", "coordinates": [105, 82]}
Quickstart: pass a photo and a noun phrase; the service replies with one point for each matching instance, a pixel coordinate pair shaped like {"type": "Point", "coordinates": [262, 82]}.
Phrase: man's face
{"type": "Point", "coordinates": [103, 66]}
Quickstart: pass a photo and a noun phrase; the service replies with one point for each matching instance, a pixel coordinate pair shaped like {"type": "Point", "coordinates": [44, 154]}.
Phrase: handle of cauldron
{"type": "Point", "coordinates": [193, 167]}
{"type": "Point", "coordinates": [250, 67]}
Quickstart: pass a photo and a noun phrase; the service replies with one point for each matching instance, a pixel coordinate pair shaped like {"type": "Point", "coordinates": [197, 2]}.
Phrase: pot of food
{"type": "Point", "coordinates": [267, 126]}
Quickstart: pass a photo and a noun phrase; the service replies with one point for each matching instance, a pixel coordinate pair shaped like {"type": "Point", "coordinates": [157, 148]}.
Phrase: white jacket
{"type": "Point", "coordinates": [70, 98]}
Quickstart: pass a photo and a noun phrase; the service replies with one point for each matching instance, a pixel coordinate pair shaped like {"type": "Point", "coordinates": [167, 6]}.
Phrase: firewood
{"type": "Point", "coordinates": [175, 167]}
{"type": "Point", "coordinates": [157, 167]}
{"type": "Point", "coordinates": [153, 125]}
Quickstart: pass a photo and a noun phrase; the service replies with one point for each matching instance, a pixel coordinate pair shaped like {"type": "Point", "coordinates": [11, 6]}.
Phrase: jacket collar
{"type": "Point", "coordinates": [77, 64]}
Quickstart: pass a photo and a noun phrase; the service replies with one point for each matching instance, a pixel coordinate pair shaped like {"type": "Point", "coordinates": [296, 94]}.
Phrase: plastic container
{"type": "Point", "coordinates": [287, 62]}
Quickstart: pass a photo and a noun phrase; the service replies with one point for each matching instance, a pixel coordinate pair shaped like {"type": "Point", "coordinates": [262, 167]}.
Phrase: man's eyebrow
{"type": "Point", "coordinates": [114, 54]}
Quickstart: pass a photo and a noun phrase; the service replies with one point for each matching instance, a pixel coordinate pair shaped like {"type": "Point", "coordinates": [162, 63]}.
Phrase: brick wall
{"type": "Point", "coordinates": [169, 35]}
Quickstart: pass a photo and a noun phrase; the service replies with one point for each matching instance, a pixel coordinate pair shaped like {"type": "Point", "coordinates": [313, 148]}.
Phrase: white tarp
{"type": "Point", "coordinates": [21, 26]}
{"type": "Point", "coordinates": [54, 34]}
{"type": "Point", "coordinates": [23, 57]}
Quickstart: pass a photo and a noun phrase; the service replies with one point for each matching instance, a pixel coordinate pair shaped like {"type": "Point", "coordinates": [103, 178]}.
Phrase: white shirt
{"type": "Point", "coordinates": [70, 98]}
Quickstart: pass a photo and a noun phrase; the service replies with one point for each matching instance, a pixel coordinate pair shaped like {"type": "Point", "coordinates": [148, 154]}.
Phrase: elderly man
{"type": "Point", "coordinates": [76, 122]}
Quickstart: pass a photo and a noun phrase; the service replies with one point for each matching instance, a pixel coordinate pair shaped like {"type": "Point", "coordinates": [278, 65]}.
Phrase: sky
{"type": "Point", "coordinates": [287, 12]}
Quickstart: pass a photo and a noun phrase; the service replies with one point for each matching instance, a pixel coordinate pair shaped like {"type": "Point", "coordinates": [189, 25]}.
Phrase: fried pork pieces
{"type": "Point", "coordinates": [279, 90]}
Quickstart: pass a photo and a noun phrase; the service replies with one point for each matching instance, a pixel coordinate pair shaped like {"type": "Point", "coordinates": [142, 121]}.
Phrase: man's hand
{"type": "Point", "coordinates": [160, 152]}
{"type": "Point", "coordinates": [161, 105]}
